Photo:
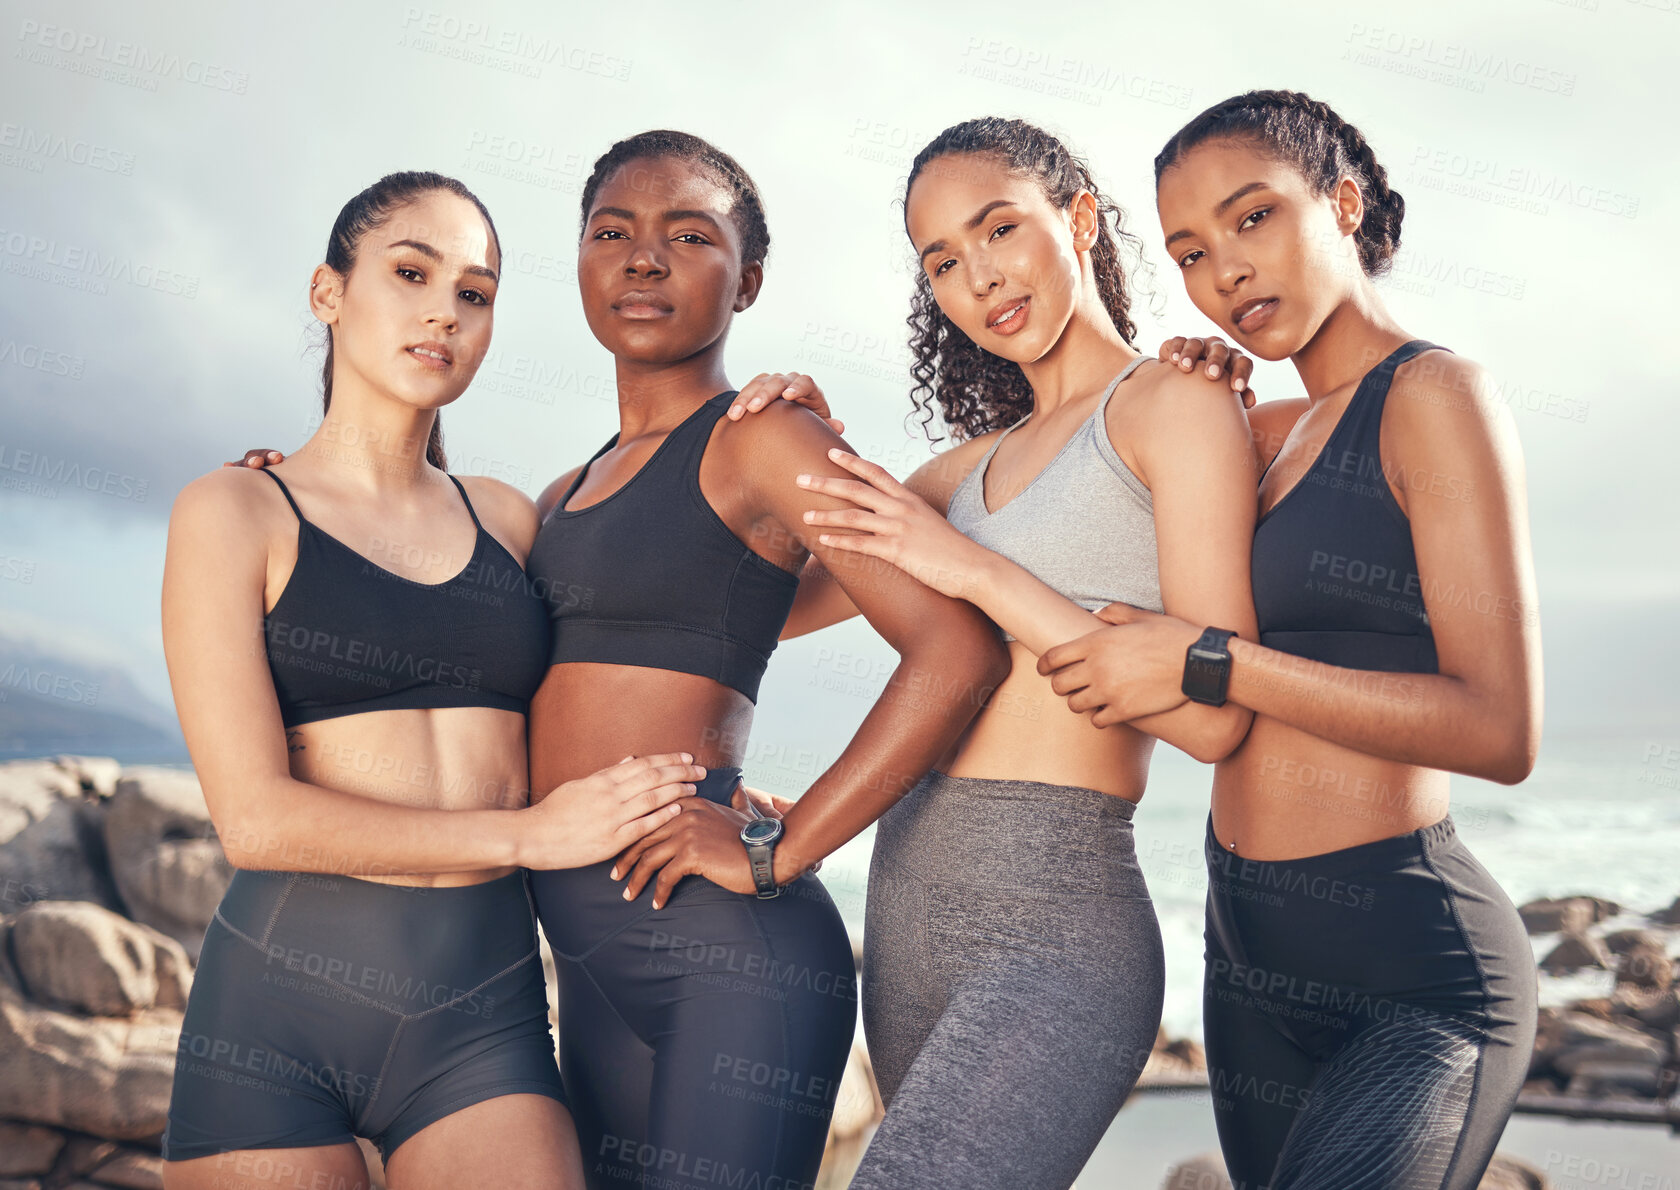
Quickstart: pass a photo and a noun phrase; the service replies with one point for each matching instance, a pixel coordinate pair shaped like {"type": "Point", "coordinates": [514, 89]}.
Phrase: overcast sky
{"type": "Point", "coordinates": [169, 181]}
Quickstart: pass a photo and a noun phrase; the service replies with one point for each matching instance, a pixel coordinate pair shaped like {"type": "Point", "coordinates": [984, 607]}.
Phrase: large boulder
{"type": "Point", "coordinates": [1512, 1173]}
{"type": "Point", "coordinates": [1644, 961]}
{"type": "Point", "coordinates": [106, 1076]}
{"type": "Point", "coordinates": [92, 774]}
{"type": "Point", "coordinates": [1669, 916]}
{"type": "Point", "coordinates": [27, 1148]}
{"type": "Point", "coordinates": [1551, 914]}
{"type": "Point", "coordinates": [1575, 952]}
{"type": "Point", "coordinates": [51, 840]}
{"type": "Point", "coordinates": [1652, 1007]}
{"type": "Point", "coordinates": [107, 1163]}
{"type": "Point", "coordinates": [164, 855]}
{"type": "Point", "coordinates": [81, 957]}
{"type": "Point", "coordinates": [1568, 1043]}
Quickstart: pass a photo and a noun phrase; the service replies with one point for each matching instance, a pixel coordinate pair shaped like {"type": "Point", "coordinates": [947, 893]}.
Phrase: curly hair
{"type": "Point", "coordinates": [369, 210]}
{"type": "Point", "coordinates": [748, 208]}
{"type": "Point", "coordinates": [1307, 134]}
{"type": "Point", "coordinates": [974, 390]}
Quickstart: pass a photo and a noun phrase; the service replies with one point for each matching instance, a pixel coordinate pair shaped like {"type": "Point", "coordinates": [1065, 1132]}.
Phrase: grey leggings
{"type": "Point", "coordinates": [1012, 982]}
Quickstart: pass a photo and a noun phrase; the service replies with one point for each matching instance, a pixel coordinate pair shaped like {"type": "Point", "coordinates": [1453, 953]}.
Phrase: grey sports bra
{"type": "Point", "coordinates": [1084, 525]}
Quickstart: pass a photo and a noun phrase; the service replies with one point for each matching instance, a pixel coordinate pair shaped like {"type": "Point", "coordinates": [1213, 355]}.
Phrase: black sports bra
{"type": "Point", "coordinates": [652, 576]}
{"type": "Point", "coordinates": [348, 636]}
{"type": "Point", "coordinates": [1334, 574]}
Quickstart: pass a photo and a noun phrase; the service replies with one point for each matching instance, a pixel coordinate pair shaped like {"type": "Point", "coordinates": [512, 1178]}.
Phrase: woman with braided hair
{"type": "Point", "coordinates": [1369, 998]}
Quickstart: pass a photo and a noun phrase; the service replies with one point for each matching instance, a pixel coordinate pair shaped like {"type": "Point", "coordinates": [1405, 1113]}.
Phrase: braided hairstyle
{"type": "Point", "coordinates": [371, 209]}
{"type": "Point", "coordinates": [1308, 135]}
{"type": "Point", "coordinates": [975, 390]}
{"type": "Point", "coordinates": [748, 208]}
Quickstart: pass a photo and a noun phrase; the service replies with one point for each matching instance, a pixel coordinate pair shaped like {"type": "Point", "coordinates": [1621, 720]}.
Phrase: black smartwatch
{"type": "Point", "coordinates": [760, 837]}
{"type": "Point", "coordinates": [1207, 667]}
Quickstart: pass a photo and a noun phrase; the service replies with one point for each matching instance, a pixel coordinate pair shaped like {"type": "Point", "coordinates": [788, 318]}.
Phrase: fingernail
{"type": "Point", "coordinates": [834, 452]}
{"type": "Point", "coordinates": [1213, 371]}
{"type": "Point", "coordinates": [702, 769]}
{"type": "Point", "coordinates": [825, 539]}
{"type": "Point", "coordinates": [810, 514]}
{"type": "Point", "coordinates": [690, 786]}
{"type": "Point", "coordinates": [803, 481]}
{"type": "Point", "coordinates": [687, 756]}
{"type": "Point", "coordinates": [1240, 384]}
{"type": "Point", "coordinates": [627, 896]}
{"type": "Point", "coordinates": [613, 873]}
{"type": "Point", "coordinates": [788, 390]}
{"type": "Point", "coordinates": [734, 411]}
{"type": "Point", "coordinates": [1175, 357]}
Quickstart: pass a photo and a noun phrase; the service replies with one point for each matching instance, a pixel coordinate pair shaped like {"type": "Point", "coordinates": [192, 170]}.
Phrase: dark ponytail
{"type": "Point", "coordinates": [1307, 134]}
{"type": "Point", "coordinates": [362, 214]}
{"type": "Point", "coordinates": [975, 390]}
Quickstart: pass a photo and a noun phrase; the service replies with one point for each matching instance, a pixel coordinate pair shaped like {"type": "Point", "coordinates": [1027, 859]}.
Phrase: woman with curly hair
{"type": "Point", "coordinates": [1012, 958]}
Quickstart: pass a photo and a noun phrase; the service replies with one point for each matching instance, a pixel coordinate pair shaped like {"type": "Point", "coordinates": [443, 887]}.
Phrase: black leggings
{"type": "Point", "coordinates": [701, 1044]}
{"type": "Point", "coordinates": [1369, 1014]}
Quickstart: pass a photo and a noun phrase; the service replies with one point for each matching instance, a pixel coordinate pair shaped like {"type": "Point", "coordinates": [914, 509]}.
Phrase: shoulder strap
{"type": "Point", "coordinates": [1115, 383]}
{"type": "Point", "coordinates": [577, 479]}
{"type": "Point", "coordinates": [288, 494]}
{"type": "Point", "coordinates": [1404, 354]}
{"type": "Point", "coordinates": [1362, 424]}
{"type": "Point", "coordinates": [462, 489]}
{"type": "Point", "coordinates": [690, 436]}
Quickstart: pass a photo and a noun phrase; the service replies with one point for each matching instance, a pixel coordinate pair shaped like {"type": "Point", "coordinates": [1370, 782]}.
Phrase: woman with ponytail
{"type": "Point", "coordinates": [1370, 990]}
{"type": "Point", "coordinates": [352, 645]}
{"type": "Point", "coordinates": [1013, 966]}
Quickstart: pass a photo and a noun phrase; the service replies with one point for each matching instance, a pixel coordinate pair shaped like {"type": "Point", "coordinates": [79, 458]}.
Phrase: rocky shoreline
{"type": "Point", "coordinates": [109, 875]}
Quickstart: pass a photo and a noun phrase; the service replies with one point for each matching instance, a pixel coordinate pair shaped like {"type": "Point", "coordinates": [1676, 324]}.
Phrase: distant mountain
{"type": "Point", "coordinates": [53, 703]}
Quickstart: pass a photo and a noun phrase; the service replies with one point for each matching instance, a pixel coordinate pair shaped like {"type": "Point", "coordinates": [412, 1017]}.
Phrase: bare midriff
{"type": "Point", "coordinates": [1026, 731]}
{"type": "Point", "coordinates": [589, 715]}
{"type": "Point", "coordinates": [447, 758]}
{"type": "Point", "coordinates": [1285, 794]}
